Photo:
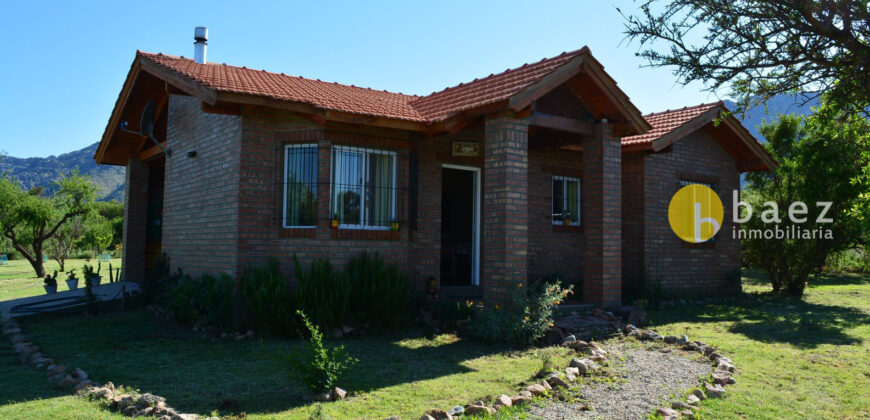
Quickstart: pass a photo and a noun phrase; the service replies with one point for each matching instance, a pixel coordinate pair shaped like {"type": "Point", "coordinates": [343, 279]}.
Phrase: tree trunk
{"type": "Point", "coordinates": [35, 261]}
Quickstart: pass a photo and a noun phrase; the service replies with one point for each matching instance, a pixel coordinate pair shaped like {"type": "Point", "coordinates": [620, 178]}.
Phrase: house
{"type": "Point", "coordinates": [544, 168]}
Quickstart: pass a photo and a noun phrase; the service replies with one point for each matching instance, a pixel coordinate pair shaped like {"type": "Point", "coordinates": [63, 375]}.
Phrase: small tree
{"type": "Point", "coordinates": [29, 220]}
{"type": "Point", "coordinates": [64, 240]}
{"type": "Point", "coordinates": [822, 158]}
{"type": "Point", "coordinates": [97, 234]}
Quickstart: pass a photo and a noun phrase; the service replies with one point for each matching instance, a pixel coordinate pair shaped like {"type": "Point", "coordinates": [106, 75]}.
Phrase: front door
{"type": "Point", "coordinates": [460, 226]}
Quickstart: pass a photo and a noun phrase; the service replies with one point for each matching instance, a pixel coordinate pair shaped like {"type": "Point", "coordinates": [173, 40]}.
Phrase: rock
{"type": "Point", "coordinates": [250, 334]}
{"type": "Point", "coordinates": [536, 389]}
{"type": "Point", "coordinates": [67, 381]}
{"type": "Point", "coordinates": [554, 336]}
{"type": "Point", "coordinates": [687, 414]}
{"type": "Point", "coordinates": [456, 411]}
{"type": "Point", "coordinates": [84, 387]}
{"type": "Point", "coordinates": [700, 394]}
{"type": "Point", "coordinates": [130, 411]}
{"type": "Point", "coordinates": [338, 394]}
{"type": "Point", "coordinates": [570, 338]}
{"type": "Point", "coordinates": [671, 339]}
{"type": "Point", "coordinates": [629, 328]}
{"type": "Point", "coordinates": [146, 412]}
{"type": "Point", "coordinates": [693, 399]}
{"type": "Point", "coordinates": [556, 380]}
{"type": "Point", "coordinates": [520, 400]}
{"type": "Point", "coordinates": [149, 400]}
{"type": "Point", "coordinates": [101, 392]}
{"type": "Point", "coordinates": [439, 414]}
{"type": "Point", "coordinates": [690, 346]}
{"type": "Point", "coordinates": [572, 373]}
{"type": "Point", "coordinates": [179, 416]}
{"type": "Point", "coordinates": [667, 412]}
{"type": "Point", "coordinates": [525, 393]}
{"type": "Point", "coordinates": [724, 365]}
{"type": "Point", "coordinates": [79, 374]}
{"type": "Point", "coordinates": [392, 418]}
{"type": "Point", "coordinates": [546, 385]}
{"type": "Point", "coordinates": [639, 317]}
{"type": "Point", "coordinates": [580, 365]}
{"type": "Point", "coordinates": [427, 417]}
{"type": "Point", "coordinates": [656, 336]}
{"type": "Point", "coordinates": [126, 400]}
{"type": "Point", "coordinates": [714, 356]}
{"type": "Point", "coordinates": [683, 340]}
{"type": "Point", "coordinates": [721, 377]}
{"type": "Point", "coordinates": [473, 410]}
{"type": "Point", "coordinates": [503, 400]}
{"type": "Point", "coordinates": [731, 380]}
{"type": "Point", "coordinates": [577, 345]}
{"type": "Point", "coordinates": [708, 350]}
{"type": "Point", "coordinates": [714, 391]}
{"type": "Point", "coordinates": [320, 397]}
{"type": "Point", "coordinates": [679, 405]}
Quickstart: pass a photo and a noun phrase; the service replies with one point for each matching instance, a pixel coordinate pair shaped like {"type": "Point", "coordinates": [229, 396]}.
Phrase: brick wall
{"type": "Point", "coordinates": [135, 215]}
{"type": "Point", "coordinates": [602, 216]}
{"type": "Point", "coordinates": [505, 217]}
{"type": "Point", "coordinates": [679, 268]}
{"type": "Point", "coordinates": [201, 201]}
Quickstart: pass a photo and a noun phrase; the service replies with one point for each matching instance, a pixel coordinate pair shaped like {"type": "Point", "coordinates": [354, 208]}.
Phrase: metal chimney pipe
{"type": "Point", "coordinates": [200, 36]}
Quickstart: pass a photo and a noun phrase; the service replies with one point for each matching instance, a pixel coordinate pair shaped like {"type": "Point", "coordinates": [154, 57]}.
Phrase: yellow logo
{"type": "Point", "coordinates": [695, 213]}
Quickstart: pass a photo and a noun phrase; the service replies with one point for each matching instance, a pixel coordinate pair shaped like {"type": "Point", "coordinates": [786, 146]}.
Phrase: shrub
{"type": "Point", "coordinates": [321, 368]}
{"type": "Point", "coordinates": [267, 297]}
{"type": "Point", "coordinates": [380, 293]}
{"type": "Point", "coordinates": [522, 320]}
{"type": "Point", "coordinates": [322, 292]}
{"type": "Point", "coordinates": [205, 299]}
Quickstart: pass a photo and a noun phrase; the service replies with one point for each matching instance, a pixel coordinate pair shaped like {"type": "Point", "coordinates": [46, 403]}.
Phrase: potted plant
{"type": "Point", "coordinates": [567, 219]}
{"type": "Point", "coordinates": [334, 222]}
{"type": "Point", "coordinates": [92, 277]}
{"type": "Point", "coordinates": [395, 225]}
{"type": "Point", "coordinates": [72, 282]}
{"type": "Point", "coordinates": [50, 283]}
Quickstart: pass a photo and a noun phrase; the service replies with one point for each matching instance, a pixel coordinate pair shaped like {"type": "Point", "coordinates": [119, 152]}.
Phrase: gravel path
{"type": "Point", "coordinates": [648, 378]}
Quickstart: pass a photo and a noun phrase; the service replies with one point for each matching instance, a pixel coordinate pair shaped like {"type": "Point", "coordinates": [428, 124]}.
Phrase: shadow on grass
{"type": "Point", "coordinates": [19, 383]}
{"type": "Point", "coordinates": [768, 318]}
{"type": "Point", "coordinates": [252, 376]}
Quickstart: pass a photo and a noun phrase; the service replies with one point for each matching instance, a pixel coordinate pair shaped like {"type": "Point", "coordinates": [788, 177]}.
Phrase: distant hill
{"type": "Point", "coordinates": [779, 104]}
{"type": "Point", "coordinates": [33, 172]}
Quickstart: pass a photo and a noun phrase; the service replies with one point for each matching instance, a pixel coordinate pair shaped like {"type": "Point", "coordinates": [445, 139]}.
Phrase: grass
{"type": "Point", "coordinates": [401, 375]}
{"type": "Point", "coordinates": [806, 358]}
{"type": "Point", "coordinates": [18, 280]}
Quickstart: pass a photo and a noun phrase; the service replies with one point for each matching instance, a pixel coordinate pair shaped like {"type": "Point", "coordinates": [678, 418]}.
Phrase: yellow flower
{"type": "Point", "coordinates": [520, 285]}
{"type": "Point", "coordinates": [527, 318]}
{"type": "Point", "coordinates": [496, 306]}
{"type": "Point", "coordinates": [551, 324]}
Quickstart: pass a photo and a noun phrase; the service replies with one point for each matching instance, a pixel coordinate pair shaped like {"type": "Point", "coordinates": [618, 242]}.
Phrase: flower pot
{"type": "Point", "coordinates": [72, 284]}
{"type": "Point", "coordinates": [50, 290]}
{"type": "Point", "coordinates": [567, 221]}
{"type": "Point", "coordinates": [395, 226]}
{"type": "Point", "coordinates": [334, 223]}
{"type": "Point", "coordinates": [95, 281]}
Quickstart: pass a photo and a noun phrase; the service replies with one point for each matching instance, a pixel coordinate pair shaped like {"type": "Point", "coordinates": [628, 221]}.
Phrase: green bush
{"type": "Point", "coordinates": [321, 368]}
{"type": "Point", "coordinates": [522, 320]}
{"type": "Point", "coordinates": [380, 293]}
{"type": "Point", "coordinates": [205, 299]}
{"type": "Point", "coordinates": [322, 292]}
{"type": "Point", "coordinates": [268, 300]}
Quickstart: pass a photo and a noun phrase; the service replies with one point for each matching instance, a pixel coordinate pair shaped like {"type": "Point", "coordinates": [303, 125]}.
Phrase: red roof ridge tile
{"type": "Point", "coordinates": [685, 108]}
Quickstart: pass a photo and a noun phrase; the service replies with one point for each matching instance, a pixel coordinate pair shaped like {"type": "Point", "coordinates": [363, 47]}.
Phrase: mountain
{"type": "Point", "coordinates": [34, 172]}
{"type": "Point", "coordinates": [779, 104]}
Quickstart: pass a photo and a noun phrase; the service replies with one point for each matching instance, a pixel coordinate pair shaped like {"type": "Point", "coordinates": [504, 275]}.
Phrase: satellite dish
{"type": "Point", "coordinates": [146, 123]}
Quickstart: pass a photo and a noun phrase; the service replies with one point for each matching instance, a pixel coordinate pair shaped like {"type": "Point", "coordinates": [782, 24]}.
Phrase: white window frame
{"type": "Point", "coordinates": [364, 166]}
{"type": "Point", "coordinates": [563, 179]}
{"type": "Point", "coordinates": [287, 148]}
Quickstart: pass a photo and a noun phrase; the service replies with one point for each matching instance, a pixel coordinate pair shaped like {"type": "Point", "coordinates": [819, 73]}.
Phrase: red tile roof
{"type": "Point", "coordinates": [225, 78]}
{"type": "Point", "coordinates": [667, 121]}
{"type": "Point", "coordinates": [490, 89]}
{"type": "Point", "coordinates": [364, 101]}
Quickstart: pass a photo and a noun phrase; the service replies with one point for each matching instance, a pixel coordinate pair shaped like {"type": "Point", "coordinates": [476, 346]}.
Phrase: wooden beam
{"type": "Point", "coordinates": [221, 108]}
{"type": "Point", "coordinates": [185, 84]}
{"type": "Point", "coordinates": [548, 82]}
{"type": "Point", "coordinates": [151, 152]}
{"type": "Point", "coordinates": [559, 123]}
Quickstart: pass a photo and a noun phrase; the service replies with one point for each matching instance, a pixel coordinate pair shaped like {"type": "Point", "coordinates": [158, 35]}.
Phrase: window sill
{"type": "Point", "coordinates": [568, 228]}
{"type": "Point", "coordinates": [365, 234]}
{"type": "Point", "coordinates": [297, 233]}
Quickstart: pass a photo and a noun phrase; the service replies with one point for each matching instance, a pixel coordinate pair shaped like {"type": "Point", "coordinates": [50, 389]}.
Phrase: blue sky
{"type": "Point", "coordinates": [62, 64]}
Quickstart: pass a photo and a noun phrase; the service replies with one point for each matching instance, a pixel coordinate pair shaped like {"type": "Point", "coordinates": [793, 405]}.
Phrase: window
{"type": "Point", "coordinates": [363, 187]}
{"type": "Point", "coordinates": [566, 201]}
{"type": "Point", "coordinates": [711, 241]}
{"type": "Point", "coordinates": [300, 185]}
{"type": "Point", "coordinates": [684, 182]}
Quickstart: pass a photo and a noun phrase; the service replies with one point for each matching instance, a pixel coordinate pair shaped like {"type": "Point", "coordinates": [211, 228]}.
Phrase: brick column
{"type": "Point", "coordinates": [602, 221]}
{"type": "Point", "coordinates": [505, 207]}
{"type": "Point", "coordinates": [135, 221]}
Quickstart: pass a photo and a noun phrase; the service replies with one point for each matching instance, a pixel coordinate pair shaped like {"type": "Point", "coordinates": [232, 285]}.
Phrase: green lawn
{"type": "Point", "coordinates": [18, 279]}
{"type": "Point", "coordinates": [796, 359]}
{"type": "Point", "coordinates": [403, 375]}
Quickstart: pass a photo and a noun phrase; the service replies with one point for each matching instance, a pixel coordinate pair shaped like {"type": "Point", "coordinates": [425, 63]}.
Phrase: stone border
{"type": "Point", "coordinates": [128, 404]}
{"type": "Point", "coordinates": [713, 387]}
